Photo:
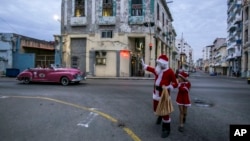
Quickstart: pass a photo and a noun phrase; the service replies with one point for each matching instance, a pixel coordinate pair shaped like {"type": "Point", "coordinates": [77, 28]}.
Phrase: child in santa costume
{"type": "Point", "coordinates": [183, 99]}
{"type": "Point", "coordinates": [164, 79]}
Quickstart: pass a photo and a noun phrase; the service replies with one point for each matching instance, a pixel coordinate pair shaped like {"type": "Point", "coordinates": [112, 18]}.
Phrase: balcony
{"type": "Point", "coordinates": [231, 27]}
{"type": "Point", "coordinates": [230, 56]}
{"type": "Point", "coordinates": [136, 20]}
{"type": "Point", "coordinates": [231, 46]}
{"type": "Point", "coordinates": [217, 55]}
{"type": "Point", "coordinates": [175, 51]}
{"type": "Point", "coordinates": [238, 19]}
{"type": "Point", "coordinates": [107, 20]}
{"type": "Point", "coordinates": [78, 21]}
{"type": "Point", "coordinates": [237, 53]}
{"type": "Point", "coordinates": [159, 25]}
{"type": "Point", "coordinates": [231, 5]}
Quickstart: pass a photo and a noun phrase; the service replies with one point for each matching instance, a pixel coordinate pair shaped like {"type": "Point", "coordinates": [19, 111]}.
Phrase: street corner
{"type": "Point", "coordinates": [72, 119]}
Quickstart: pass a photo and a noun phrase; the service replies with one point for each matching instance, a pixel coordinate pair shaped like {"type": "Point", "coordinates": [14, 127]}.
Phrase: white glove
{"type": "Point", "coordinates": [143, 64]}
{"type": "Point", "coordinates": [169, 87]}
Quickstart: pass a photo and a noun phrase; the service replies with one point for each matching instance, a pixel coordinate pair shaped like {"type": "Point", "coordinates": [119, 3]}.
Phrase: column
{"type": "Point", "coordinates": [248, 63]}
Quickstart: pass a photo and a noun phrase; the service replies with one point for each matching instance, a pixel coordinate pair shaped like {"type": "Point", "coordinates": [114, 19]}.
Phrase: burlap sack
{"type": "Point", "coordinates": [165, 106]}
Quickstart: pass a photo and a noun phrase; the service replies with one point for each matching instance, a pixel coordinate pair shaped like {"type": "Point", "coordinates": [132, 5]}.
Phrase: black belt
{"type": "Point", "coordinates": [158, 88]}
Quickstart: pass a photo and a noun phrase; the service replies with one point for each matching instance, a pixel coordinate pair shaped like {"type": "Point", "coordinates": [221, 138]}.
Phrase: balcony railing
{"type": "Point", "coordinates": [238, 18]}
{"type": "Point", "coordinates": [136, 20]}
{"type": "Point", "coordinates": [78, 21]}
{"type": "Point", "coordinates": [159, 25]}
{"type": "Point", "coordinates": [107, 20]}
{"type": "Point", "coordinates": [217, 55]}
{"type": "Point", "coordinates": [231, 45]}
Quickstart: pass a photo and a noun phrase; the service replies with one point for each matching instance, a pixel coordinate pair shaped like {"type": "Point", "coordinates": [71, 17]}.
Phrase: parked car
{"type": "Point", "coordinates": [213, 74]}
{"type": "Point", "coordinates": [65, 76]}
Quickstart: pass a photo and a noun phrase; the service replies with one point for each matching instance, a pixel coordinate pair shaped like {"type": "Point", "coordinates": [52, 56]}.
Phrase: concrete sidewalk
{"type": "Point", "coordinates": [122, 78]}
{"type": "Point", "coordinates": [3, 78]}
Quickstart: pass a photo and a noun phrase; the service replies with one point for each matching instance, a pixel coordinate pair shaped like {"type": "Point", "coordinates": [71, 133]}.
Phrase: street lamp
{"type": "Point", "coordinates": [58, 45]}
{"type": "Point", "coordinates": [169, 1]}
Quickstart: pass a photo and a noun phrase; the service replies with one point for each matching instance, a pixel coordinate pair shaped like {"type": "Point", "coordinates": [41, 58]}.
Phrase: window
{"type": "Point", "coordinates": [246, 13]}
{"type": "Point", "coordinates": [107, 34]}
{"type": "Point", "coordinates": [136, 8]}
{"type": "Point", "coordinates": [100, 57]}
{"type": "Point", "coordinates": [246, 35]}
{"type": "Point", "coordinates": [163, 19]}
{"type": "Point", "coordinates": [107, 9]}
{"type": "Point", "coordinates": [158, 12]}
{"type": "Point", "coordinates": [74, 61]}
{"type": "Point", "coordinates": [79, 8]}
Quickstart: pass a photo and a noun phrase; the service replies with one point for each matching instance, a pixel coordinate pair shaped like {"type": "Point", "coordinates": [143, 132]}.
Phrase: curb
{"type": "Point", "coordinates": [121, 78]}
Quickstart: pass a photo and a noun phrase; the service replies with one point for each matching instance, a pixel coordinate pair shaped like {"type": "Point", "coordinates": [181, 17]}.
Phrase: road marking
{"type": "Point", "coordinates": [88, 120]}
{"type": "Point", "coordinates": [127, 130]}
{"type": "Point", "coordinates": [4, 97]}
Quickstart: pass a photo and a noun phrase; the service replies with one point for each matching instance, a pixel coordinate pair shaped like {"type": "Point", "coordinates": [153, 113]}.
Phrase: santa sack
{"type": "Point", "coordinates": [165, 106]}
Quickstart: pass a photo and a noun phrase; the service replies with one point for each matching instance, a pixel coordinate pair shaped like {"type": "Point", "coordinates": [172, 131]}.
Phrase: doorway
{"type": "Point", "coordinates": [138, 53]}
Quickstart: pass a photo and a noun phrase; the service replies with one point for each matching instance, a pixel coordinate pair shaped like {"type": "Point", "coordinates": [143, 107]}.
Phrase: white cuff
{"type": "Point", "coordinates": [169, 87]}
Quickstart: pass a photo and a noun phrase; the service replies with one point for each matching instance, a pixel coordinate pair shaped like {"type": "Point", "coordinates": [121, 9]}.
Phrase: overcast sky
{"type": "Point", "coordinates": [200, 21]}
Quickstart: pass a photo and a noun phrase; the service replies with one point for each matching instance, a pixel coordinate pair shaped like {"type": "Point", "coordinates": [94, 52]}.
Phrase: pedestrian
{"type": "Point", "coordinates": [183, 100]}
{"type": "Point", "coordinates": [164, 79]}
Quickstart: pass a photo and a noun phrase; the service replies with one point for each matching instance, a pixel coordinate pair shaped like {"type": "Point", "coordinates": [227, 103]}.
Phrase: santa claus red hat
{"type": "Point", "coordinates": [183, 74]}
{"type": "Point", "coordinates": [163, 59]}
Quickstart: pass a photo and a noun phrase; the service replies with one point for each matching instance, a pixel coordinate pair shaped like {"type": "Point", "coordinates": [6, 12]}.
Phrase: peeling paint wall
{"type": "Point", "coordinates": [124, 26]}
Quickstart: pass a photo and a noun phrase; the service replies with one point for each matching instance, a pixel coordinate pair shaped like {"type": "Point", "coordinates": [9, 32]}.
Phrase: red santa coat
{"type": "Point", "coordinates": [183, 94]}
{"type": "Point", "coordinates": [165, 77]}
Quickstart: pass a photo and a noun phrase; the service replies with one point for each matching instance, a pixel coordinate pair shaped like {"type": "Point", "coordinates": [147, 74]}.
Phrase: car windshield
{"type": "Point", "coordinates": [55, 66]}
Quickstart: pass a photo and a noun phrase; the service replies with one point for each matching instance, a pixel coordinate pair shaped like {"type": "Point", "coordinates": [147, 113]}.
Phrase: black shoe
{"type": "Point", "coordinates": [165, 134]}
{"type": "Point", "coordinates": [165, 130]}
{"type": "Point", "coordinates": [181, 129]}
{"type": "Point", "coordinates": [158, 121]}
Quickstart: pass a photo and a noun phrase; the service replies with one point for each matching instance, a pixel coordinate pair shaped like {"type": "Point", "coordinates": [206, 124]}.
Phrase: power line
{"type": "Point", "coordinates": [15, 31]}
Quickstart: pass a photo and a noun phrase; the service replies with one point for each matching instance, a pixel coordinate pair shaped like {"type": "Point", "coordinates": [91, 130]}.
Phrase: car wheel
{"type": "Point", "coordinates": [26, 80]}
{"type": "Point", "coordinates": [64, 81]}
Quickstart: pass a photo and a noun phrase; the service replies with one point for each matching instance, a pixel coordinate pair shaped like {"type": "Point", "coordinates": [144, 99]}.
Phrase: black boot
{"type": "Point", "coordinates": [158, 121]}
{"type": "Point", "coordinates": [165, 130]}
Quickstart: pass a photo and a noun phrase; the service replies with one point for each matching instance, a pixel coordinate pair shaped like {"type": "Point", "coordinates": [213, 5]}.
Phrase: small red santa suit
{"type": "Point", "coordinates": [183, 93]}
{"type": "Point", "coordinates": [165, 77]}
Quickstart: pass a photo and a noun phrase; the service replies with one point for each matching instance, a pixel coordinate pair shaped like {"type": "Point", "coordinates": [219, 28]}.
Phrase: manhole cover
{"type": "Point", "coordinates": [202, 103]}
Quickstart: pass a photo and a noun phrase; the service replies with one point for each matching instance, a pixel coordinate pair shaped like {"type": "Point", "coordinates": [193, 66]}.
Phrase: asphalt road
{"type": "Point", "coordinates": [112, 110]}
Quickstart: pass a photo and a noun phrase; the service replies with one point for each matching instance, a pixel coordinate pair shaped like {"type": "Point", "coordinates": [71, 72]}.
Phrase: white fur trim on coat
{"type": "Point", "coordinates": [156, 96]}
{"type": "Point", "coordinates": [161, 61]}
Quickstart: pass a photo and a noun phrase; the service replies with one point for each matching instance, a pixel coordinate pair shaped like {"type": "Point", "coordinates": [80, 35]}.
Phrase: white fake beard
{"type": "Point", "coordinates": [158, 69]}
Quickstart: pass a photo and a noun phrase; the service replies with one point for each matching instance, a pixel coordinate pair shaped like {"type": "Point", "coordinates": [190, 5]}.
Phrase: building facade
{"type": "Point", "coordinates": [206, 57]}
{"type": "Point", "coordinates": [185, 52]}
{"type": "Point", "coordinates": [22, 52]}
{"type": "Point", "coordinates": [219, 56]}
{"type": "Point", "coordinates": [246, 39]}
{"type": "Point", "coordinates": [234, 40]}
{"type": "Point", "coordinates": [109, 37]}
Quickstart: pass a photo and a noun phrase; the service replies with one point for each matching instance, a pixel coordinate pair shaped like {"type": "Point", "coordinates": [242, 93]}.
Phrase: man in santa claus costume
{"type": "Point", "coordinates": [164, 79]}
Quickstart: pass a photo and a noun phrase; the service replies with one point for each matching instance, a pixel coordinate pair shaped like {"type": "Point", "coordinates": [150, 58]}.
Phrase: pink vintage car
{"type": "Point", "coordinates": [65, 76]}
